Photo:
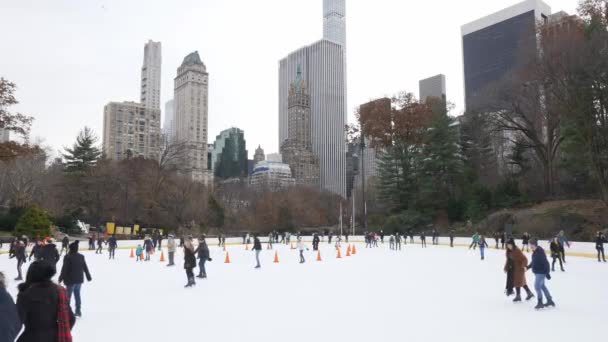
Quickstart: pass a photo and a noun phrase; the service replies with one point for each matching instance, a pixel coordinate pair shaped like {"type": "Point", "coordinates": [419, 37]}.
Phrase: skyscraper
{"type": "Point", "coordinates": [324, 71]}
{"type": "Point", "coordinates": [259, 155]}
{"type": "Point", "coordinates": [297, 149]}
{"type": "Point", "coordinates": [190, 117]}
{"type": "Point", "coordinates": [229, 157]}
{"type": "Point", "coordinates": [496, 44]}
{"type": "Point", "coordinates": [334, 21]}
{"type": "Point", "coordinates": [131, 130]}
{"type": "Point", "coordinates": [432, 87]}
{"type": "Point", "coordinates": [168, 122]}
{"type": "Point", "coordinates": [150, 75]}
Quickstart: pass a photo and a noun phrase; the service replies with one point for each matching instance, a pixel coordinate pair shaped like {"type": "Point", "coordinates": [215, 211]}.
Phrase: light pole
{"type": "Point", "coordinates": [129, 152]}
{"type": "Point", "coordinates": [363, 182]}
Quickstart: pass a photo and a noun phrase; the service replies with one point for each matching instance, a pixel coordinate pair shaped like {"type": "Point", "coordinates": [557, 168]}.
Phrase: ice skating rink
{"type": "Point", "coordinates": [433, 294]}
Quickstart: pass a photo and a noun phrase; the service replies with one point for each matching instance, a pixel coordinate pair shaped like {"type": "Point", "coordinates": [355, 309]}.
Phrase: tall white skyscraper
{"type": "Point", "coordinates": [323, 68]}
{"type": "Point", "coordinates": [190, 117]}
{"type": "Point", "coordinates": [334, 21]}
{"type": "Point", "coordinates": [168, 131]}
{"type": "Point", "coordinates": [150, 75]}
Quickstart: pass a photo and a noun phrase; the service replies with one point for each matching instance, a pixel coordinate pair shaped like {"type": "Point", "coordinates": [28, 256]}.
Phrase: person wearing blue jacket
{"type": "Point", "coordinates": [203, 256]}
{"type": "Point", "coordinates": [148, 247]}
{"type": "Point", "coordinates": [541, 270]}
{"type": "Point", "coordinates": [112, 245]}
{"type": "Point", "coordinates": [482, 246]}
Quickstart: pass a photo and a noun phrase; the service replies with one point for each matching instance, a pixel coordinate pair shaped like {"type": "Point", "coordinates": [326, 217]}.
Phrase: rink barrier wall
{"type": "Point", "coordinates": [578, 249]}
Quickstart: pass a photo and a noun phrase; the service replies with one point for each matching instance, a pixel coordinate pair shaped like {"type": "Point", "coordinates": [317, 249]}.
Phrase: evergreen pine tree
{"type": "Point", "coordinates": [84, 154]}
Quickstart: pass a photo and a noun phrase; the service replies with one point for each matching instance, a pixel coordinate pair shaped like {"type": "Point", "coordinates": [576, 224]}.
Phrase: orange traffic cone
{"type": "Point", "coordinates": [319, 256]}
{"type": "Point", "coordinates": [162, 256]}
{"type": "Point", "coordinates": [292, 247]}
{"type": "Point", "coordinates": [246, 246]}
{"type": "Point", "coordinates": [152, 251]}
{"type": "Point", "coordinates": [227, 261]}
{"type": "Point", "coordinates": [224, 248]}
{"type": "Point", "coordinates": [276, 257]}
{"type": "Point", "coordinates": [339, 256]}
{"type": "Point", "coordinates": [354, 250]}
{"type": "Point", "coordinates": [348, 251]}
{"type": "Point", "coordinates": [132, 254]}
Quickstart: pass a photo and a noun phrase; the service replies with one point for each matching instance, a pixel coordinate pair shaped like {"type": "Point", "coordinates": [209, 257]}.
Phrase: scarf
{"type": "Point", "coordinates": [64, 330]}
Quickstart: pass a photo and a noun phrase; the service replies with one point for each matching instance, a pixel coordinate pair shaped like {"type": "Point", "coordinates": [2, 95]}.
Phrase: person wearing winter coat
{"type": "Point", "coordinates": [257, 248]}
{"type": "Point", "coordinates": [72, 274]}
{"type": "Point", "coordinates": [139, 253]}
{"type": "Point", "coordinates": [556, 254]}
{"type": "Point", "coordinates": [203, 256]}
{"type": "Point", "coordinates": [171, 247]}
{"type": "Point", "coordinates": [475, 241]}
{"type": "Point", "coordinates": [452, 239]}
{"type": "Point", "coordinates": [517, 263]}
{"type": "Point", "coordinates": [91, 243]}
{"type": "Point", "coordinates": [391, 242]}
{"type": "Point", "coordinates": [99, 249]}
{"type": "Point", "coordinates": [482, 246]}
{"type": "Point", "coordinates": [148, 247]}
{"type": "Point", "coordinates": [10, 324]}
{"type": "Point", "coordinates": [43, 307]}
{"type": "Point", "coordinates": [19, 254]}
{"type": "Point", "coordinates": [189, 262]}
{"type": "Point", "coordinates": [112, 245]}
{"type": "Point", "coordinates": [49, 252]}
{"type": "Point", "coordinates": [36, 250]}
{"type": "Point", "coordinates": [423, 239]}
{"type": "Point", "coordinates": [315, 242]}
{"type": "Point", "coordinates": [600, 239]}
{"type": "Point", "coordinates": [301, 246]}
{"type": "Point", "coordinates": [382, 236]}
{"type": "Point", "coordinates": [540, 268]}
{"type": "Point", "coordinates": [398, 241]}
{"type": "Point", "coordinates": [160, 241]}
{"type": "Point", "coordinates": [64, 245]}
{"type": "Point", "coordinates": [563, 241]}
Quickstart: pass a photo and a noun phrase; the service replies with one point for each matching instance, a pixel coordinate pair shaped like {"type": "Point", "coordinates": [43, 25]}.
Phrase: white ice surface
{"type": "Point", "coordinates": [433, 294]}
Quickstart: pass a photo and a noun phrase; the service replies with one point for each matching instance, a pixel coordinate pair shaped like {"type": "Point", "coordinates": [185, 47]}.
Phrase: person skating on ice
{"type": "Point", "coordinates": [171, 247]}
{"type": "Point", "coordinates": [452, 239]}
{"type": "Point", "coordinates": [600, 240]}
{"type": "Point", "coordinates": [112, 245]}
{"type": "Point", "coordinates": [72, 274]}
{"type": "Point", "coordinates": [517, 263]}
{"type": "Point", "coordinates": [10, 324]}
{"type": "Point", "coordinates": [315, 242]}
{"type": "Point", "coordinates": [91, 242]}
{"type": "Point", "coordinates": [203, 256]}
{"type": "Point", "coordinates": [19, 254]}
{"type": "Point", "coordinates": [36, 250]}
{"type": "Point", "coordinates": [64, 245]}
{"type": "Point", "coordinates": [525, 240]}
{"type": "Point", "coordinates": [189, 261]}
{"type": "Point", "coordinates": [411, 236]}
{"type": "Point", "coordinates": [540, 268]}
{"type": "Point", "coordinates": [563, 241]}
{"type": "Point", "coordinates": [556, 254]}
{"type": "Point", "coordinates": [423, 239]}
{"type": "Point", "coordinates": [257, 249]}
{"type": "Point", "coordinates": [148, 247]}
{"type": "Point", "coordinates": [301, 246]}
{"type": "Point", "coordinates": [99, 245]}
{"type": "Point", "coordinates": [49, 252]}
{"type": "Point", "coordinates": [382, 236]}
{"type": "Point", "coordinates": [398, 242]}
{"type": "Point", "coordinates": [497, 238]}
{"type": "Point", "coordinates": [139, 253]}
{"type": "Point", "coordinates": [475, 241]}
{"type": "Point", "coordinates": [391, 242]}
{"type": "Point", "coordinates": [482, 246]}
{"type": "Point", "coordinates": [503, 240]}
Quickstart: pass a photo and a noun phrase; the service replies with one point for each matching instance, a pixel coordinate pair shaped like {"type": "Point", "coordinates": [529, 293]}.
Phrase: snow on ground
{"type": "Point", "coordinates": [433, 294]}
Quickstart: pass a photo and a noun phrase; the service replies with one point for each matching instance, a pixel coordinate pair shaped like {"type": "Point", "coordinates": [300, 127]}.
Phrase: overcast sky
{"type": "Point", "coordinates": [70, 57]}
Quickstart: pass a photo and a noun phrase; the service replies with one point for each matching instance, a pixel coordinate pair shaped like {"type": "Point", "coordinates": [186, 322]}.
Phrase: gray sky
{"type": "Point", "coordinates": [70, 57]}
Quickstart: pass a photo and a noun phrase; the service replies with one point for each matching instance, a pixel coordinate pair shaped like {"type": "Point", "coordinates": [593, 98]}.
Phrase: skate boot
{"type": "Point", "coordinates": [78, 313]}
{"type": "Point", "coordinates": [517, 299]}
{"type": "Point", "coordinates": [540, 305]}
{"type": "Point", "coordinates": [550, 303]}
{"type": "Point", "coordinates": [200, 276]}
{"type": "Point", "coordinates": [563, 270]}
{"type": "Point", "coordinates": [529, 296]}
{"type": "Point", "coordinates": [18, 279]}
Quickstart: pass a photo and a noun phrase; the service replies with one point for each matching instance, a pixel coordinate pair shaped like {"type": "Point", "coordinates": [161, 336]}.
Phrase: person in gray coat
{"type": "Point", "coordinates": [10, 323]}
{"type": "Point", "coordinates": [171, 247]}
{"type": "Point", "coordinates": [203, 256]}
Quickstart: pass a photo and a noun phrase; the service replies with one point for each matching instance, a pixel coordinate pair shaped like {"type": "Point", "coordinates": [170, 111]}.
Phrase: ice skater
{"type": "Point", "coordinates": [171, 247]}
{"type": "Point", "coordinates": [556, 254]}
{"type": "Point", "coordinates": [391, 242]}
{"type": "Point", "coordinates": [315, 242]}
{"type": "Point", "coordinates": [475, 241]}
{"type": "Point", "coordinates": [452, 239]}
{"type": "Point", "coordinates": [525, 240]}
{"type": "Point", "coordinates": [540, 268]}
{"type": "Point", "coordinates": [563, 241]}
{"type": "Point", "coordinates": [19, 253]}
{"type": "Point", "coordinates": [149, 247]}
{"type": "Point", "coordinates": [515, 267]}
{"type": "Point", "coordinates": [382, 236]}
{"type": "Point", "coordinates": [189, 262]}
{"type": "Point", "coordinates": [36, 250]}
{"type": "Point", "coordinates": [72, 274]}
{"type": "Point", "coordinates": [139, 253]}
{"type": "Point", "coordinates": [99, 245]}
{"type": "Point", "coordinates": [482, 246]}
{"type": "Point", "coordinates": [301, 246]}
{"type": "Point", "coordinates": [398, 241]}
{"type": "Point", "coordinates": [112, 245]}
{"type": "Point", "coordinates": [411, 236]}
{"type": "Point", "coordinates": [600, 239]}
{"type": "Point", "coordinates": [64, 245]}
{"type": "Point", "coordinates": [269, 241]}
{"type": "Point", "coordinates": [423, 239]}
{"type": "Point", "coordinates": [203, 257]}
{"type": "Point", "coordinates": [257, 248]}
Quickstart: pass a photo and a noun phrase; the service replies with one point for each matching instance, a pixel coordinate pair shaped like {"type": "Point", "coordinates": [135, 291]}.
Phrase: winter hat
{"type": "Point", "coordinates": [511, 241]}
{"type": "Point", "coordinates": [40, 271]}
{"type": "Point", "coordinates": [74, 247]}
{"type": "Point", "coordinates": [534, 241]}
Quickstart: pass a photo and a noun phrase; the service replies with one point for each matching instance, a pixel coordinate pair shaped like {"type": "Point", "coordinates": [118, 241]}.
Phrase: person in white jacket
{"type": "Point", "coordinates": [171, 249]}
{"type": "Point", "coordinates": [301, 248]}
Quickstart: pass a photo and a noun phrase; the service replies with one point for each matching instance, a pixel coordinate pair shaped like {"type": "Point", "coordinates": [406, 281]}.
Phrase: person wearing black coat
{"type": "Point", "coordinates": [257, 247]}
{"type": "Point", "coordinates": [203, 256]}
{"type": "Point", "coordinates": [37, 304]}
{"type": "Point", "coordinates": [600, 239]}
{"type": "Point", "coordinates": [19, 254]}
{"type": "Point", "coordinates": [36, 250]}
{"type": "Point", "coordinates": [112, 245]}
{"type": "Point", "coordinates": [189, 261]}
{"type": "Point", "coordinates": [423, 239]}
{"type": "Point", "coordinates": [540, 268]}
{"type": "Point", "coordinates": [49, 253]}
{"type": "Point", "coordinates": [64, 245]}
{"type": "Point", "coordinates": [556, 254]}
{"type": "Point", "coordinates": [10, 324]}
{"type": "Point", "coordinates": [72, 274]}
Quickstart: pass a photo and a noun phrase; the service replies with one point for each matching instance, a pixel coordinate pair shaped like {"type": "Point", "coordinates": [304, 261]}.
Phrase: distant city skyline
{"type": "Point", "coordinates": [101, 43]}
